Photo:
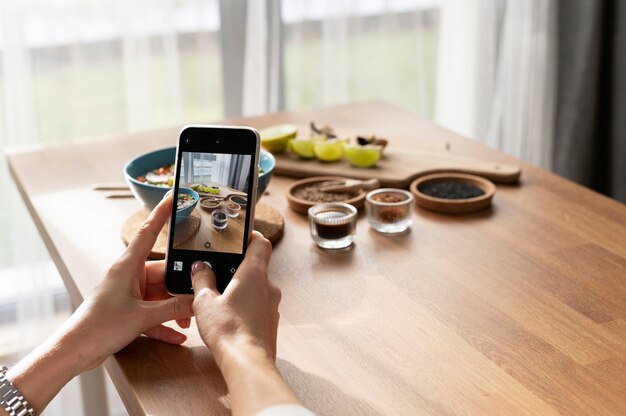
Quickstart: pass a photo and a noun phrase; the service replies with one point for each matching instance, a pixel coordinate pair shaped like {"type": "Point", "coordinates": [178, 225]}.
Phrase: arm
{"type": "Point", "coordinates": [129, 301]}
{"type": "Point", "coordinates": [240, 328]}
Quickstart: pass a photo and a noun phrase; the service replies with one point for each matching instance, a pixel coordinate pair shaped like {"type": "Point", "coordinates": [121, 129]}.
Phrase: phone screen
{"type": "Point", "coordinates": [214, 196]}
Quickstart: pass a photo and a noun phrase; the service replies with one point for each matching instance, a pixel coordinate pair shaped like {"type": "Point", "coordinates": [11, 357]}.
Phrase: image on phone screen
{"type": "Point", "coordinates": [222, 181]}
{"type": "Point", "coordinates": [213, 203]}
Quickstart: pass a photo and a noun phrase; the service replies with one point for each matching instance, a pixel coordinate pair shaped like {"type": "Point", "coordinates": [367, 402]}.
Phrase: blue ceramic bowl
{"type": "Point", "coordinates": [267, 163]}
{"type": "Point", "coordinates": [185, 212]}
{"type": "Point", "coordinates": [150, 195]}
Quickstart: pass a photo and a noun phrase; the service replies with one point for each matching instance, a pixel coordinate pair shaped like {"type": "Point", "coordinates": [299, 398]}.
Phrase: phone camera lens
{"type": "Point", "coordinates": [187, 140]}
{"type": "Point", "coordinates": [217, 141]}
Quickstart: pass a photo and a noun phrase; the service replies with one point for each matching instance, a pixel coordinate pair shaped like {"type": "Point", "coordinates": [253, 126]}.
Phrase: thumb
{"type": "Point", "coordinates": [177, 307]}
{"type": "Point", "coordinates": [202, 277]}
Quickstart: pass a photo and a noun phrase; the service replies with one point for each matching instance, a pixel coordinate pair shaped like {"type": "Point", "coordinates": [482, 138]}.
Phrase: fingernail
{"type": "Point", "coordinates": [200, 265]}
{"type": "Point", "coordinates": [168, 193]}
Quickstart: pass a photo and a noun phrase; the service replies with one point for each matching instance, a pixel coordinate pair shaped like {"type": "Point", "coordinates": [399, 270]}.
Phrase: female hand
{"type": "Point", "coordinates": [246, 314]}
{"type": "Point", "coordinates": [131, 299]}
{"type": "Point", "coordinates": [240, 328]}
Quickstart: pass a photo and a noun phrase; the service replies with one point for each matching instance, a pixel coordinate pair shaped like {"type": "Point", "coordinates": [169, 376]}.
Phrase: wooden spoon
{"type": "Point", "coordinates": [351, 185]}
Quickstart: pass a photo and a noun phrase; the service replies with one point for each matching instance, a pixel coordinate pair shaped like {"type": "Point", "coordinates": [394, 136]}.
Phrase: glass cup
{"type": "Point", "coordinates": [389, 210]}
{"type": "Point", "coordinates": [333, 225]}
{"type": "Point", "coordinates": [233, 209]}
{"type": "Point", "coordinates": [220, 219]}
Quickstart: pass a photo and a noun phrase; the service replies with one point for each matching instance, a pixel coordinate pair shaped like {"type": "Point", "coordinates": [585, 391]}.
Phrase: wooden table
{"type": "Point", "coordinates": [517, 310]}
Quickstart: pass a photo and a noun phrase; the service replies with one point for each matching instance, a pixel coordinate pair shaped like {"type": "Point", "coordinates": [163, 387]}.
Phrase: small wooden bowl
{"type": "Point", "coordinates": [239, 199]}
{"type": "Point", "coordinates": [210, 203]}
{"type": "Point", "coordinates": [453, 206]}
{"type": "Point", "coordinates": [302, 206]}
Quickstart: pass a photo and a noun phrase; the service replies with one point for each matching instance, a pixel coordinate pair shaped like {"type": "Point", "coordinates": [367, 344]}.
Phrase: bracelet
{"type": "Point", "coordinates": [11, 399]}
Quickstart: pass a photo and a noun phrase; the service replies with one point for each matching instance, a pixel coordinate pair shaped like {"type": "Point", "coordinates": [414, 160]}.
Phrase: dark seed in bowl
{"type": "Point", "coordinates": [451, 190]}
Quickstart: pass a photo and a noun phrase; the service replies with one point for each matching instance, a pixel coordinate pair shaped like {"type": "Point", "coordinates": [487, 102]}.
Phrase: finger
{"type": "Point", "coordinates": [156, 292]}
{"type": "Point", "coordinates": [257, 258]}
{"type": "Point", "coordinates": [177, 307]}
{"type": "Point", "coordinates": [155, 271]}
{"type": "Point", "coordinates": [276, 294]}
{"type": "Point", "coordinates": [203, 278]}
{"type": "Point", "coordinates": [143, 242]}
{"type": "Point", "coordinates": [184, 323]}
{"type": "Point", "coordinates": [166, 334]}
{"type": "Point", "coordinates": [275, 334]}
{"type": "Point", "coordinates": [254, 234]}
{"type": "Point", "coordinates": [155, 281]}
{"type": "Point", "coordinates": [261, 245]}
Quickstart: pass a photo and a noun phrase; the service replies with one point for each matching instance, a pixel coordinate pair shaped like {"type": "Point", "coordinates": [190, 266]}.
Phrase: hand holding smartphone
{"type": "Point", "coordinates": [219, 163]}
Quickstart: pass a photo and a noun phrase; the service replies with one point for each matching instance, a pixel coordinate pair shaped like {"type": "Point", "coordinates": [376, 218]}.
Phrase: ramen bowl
{"type": "Point", "coordinates": [182, 214]}
{"type": "Point", "coordinates": [149, 195]}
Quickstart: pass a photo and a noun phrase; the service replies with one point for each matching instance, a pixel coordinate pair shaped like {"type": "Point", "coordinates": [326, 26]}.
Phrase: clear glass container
{"type": "Point", "coordinates": [233, 209]}
{"type": "Point", "coordinates": [389, 210]}
{"type": "Point", "coordinates": [220, 219]}
{"type": "Point", "coordinates": [333, 225]}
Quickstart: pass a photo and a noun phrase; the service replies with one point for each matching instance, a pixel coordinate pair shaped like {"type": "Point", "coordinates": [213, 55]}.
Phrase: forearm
{"type": "Point", "coordinates": [43, 372]}
{"type": "Point", "coordinates": [254, 382]}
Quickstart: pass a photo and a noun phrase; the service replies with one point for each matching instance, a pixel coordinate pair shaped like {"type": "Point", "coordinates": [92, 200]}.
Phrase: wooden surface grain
{"type": "Point", "coordinates": [520, 309]}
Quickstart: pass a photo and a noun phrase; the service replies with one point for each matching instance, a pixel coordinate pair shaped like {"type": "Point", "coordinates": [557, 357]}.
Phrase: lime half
{"type": "Point", "coordinates": [302, 148]}
{"type": "Point", "coordinates": [362, 156]}
{"type": "Point", "coordinates": [275, 138]}
{"type": "Point", "coordinates": [329, 150]}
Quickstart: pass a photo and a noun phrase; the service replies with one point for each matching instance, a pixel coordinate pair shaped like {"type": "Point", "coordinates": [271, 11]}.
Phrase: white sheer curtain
{"type": "Point", "coordinates": [81, 68]}
{"type": "Point", "coordinates": [343, 51]}
{"type": "Point", "coordinates": [496, 74]}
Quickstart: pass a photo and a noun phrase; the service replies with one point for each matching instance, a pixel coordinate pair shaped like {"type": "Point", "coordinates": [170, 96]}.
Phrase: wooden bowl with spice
{"type": "Point", "coordinates": [303, 194]}
{"type": "Point", "coordinates": [453, 193]}
{"type": "Point", "coordinates": [210, 203]}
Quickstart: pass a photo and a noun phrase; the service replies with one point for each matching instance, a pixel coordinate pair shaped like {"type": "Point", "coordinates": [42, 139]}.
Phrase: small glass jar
{"type": "Point", "coordinates": [333, 225]}
{"type": "Point", "coordinates": [220, 219]}
{"type": "Point", "coordinates": [389, 210]}
{"type": "Point", "coordinates": [233, 209]}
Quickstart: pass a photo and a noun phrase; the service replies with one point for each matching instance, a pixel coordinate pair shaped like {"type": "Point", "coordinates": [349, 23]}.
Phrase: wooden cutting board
{"type": "Point", "coordinates": [402, 162]}
{"type": "Point", "coordinates": [267, 220]}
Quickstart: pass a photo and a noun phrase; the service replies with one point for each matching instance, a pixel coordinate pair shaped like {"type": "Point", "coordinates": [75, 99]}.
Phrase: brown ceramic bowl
{"type": "Point", "coordinates": [209, 203]}
{"type": "Point", "coordinates": [453, 206]}
{"type": "Point", "coordinates": [302, 205]}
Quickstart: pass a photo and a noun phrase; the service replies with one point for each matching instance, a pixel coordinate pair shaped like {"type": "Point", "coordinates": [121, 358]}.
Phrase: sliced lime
{"type": "Point", "coordinates": [275, 138]}
{"type": "Point", "coordinates": [329, 150]}
{"type": "Point", "coordinates": [363, 156]}
{"type": "Point", "coordinates": [302, 148]}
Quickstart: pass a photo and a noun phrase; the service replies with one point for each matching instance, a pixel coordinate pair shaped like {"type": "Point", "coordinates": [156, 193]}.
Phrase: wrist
{"type": "Point", "coordinates": [252, 378]}
{"type": "Point", "coordinates": [42, 373]}
{"type": "Point", "coordinates": [232, 357]}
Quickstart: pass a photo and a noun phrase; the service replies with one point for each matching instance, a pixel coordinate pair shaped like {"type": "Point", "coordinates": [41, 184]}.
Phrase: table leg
{"type": "Point", "coordinates": [94, 393]}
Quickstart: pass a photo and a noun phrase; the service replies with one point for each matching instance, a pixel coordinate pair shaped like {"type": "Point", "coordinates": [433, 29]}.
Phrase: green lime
{"type": "Point", "coordinates": [302, 148]}
{"type": "Point", "coordinates": [362, 156]}
{"type": "Point", "coordinates": [275, 138]}
{"type": "Point", "coordinates": [329, 150]}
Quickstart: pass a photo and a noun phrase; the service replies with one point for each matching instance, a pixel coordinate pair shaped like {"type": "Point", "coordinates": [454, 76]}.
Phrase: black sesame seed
{"type": "Point", "coordinates": [451, 190]}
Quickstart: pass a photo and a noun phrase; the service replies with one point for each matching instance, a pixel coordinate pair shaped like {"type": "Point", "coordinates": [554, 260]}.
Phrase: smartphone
{"type": "Point", "coordinates": [214, 195]}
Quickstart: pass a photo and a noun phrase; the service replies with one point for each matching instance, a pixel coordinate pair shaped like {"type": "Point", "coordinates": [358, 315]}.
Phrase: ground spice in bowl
{"type": "Point", "coordinates": [451, 190]}
{"type": "Point", "coordinates": [313, 193]}
{"type": "Point", "coordinates": [392, 213]}
{"type": "Point", "coordinates": [306, 193]}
